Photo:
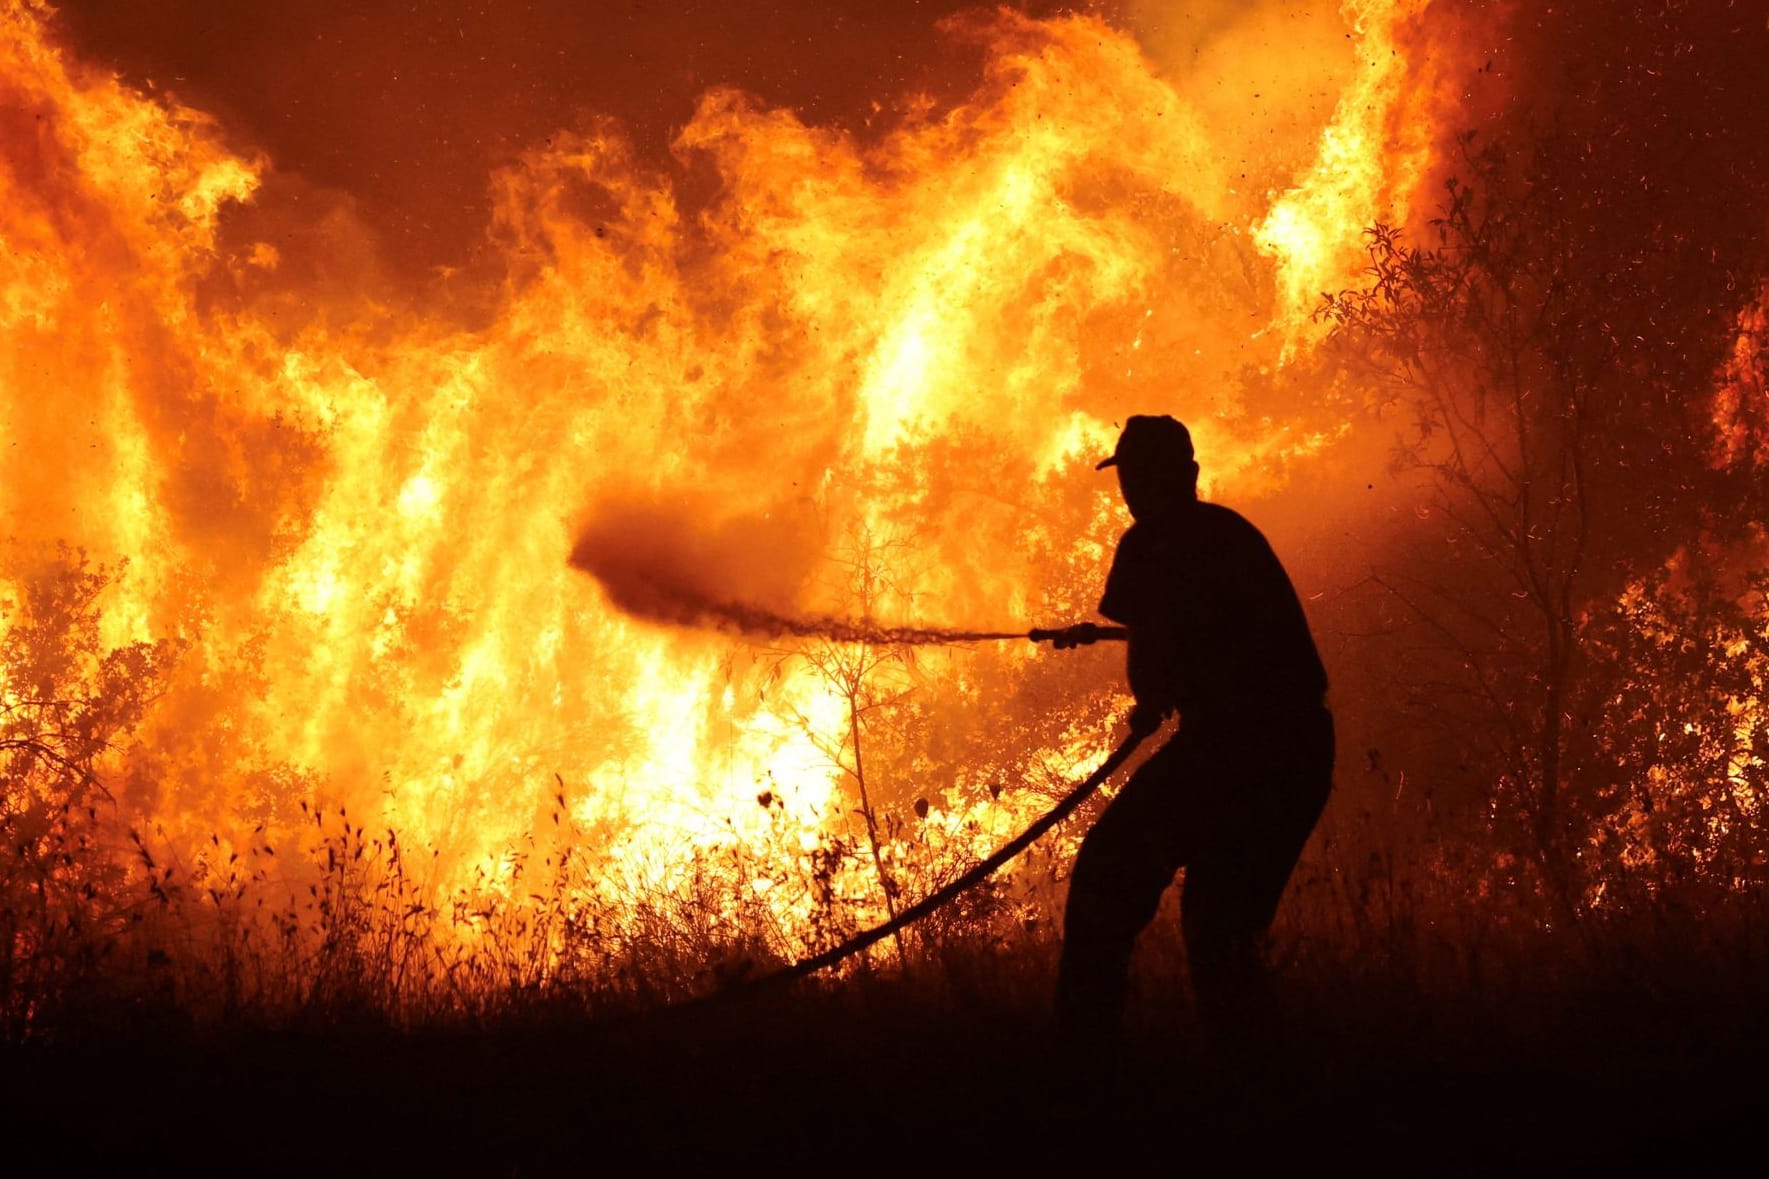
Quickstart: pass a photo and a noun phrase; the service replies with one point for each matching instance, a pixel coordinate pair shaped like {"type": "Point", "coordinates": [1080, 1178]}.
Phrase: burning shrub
{"type": "Point", "coordinates": [68, 707]}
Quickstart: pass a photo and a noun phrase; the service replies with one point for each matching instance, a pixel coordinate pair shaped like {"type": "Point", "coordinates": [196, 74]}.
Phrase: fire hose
{"type": "Point", "coordinates": [1085, 633]}
{"type": "Point", "coordinates": [969, 880]}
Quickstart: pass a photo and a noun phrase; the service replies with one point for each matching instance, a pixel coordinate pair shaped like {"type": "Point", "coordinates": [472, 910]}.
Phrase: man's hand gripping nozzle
{"type": "Point", "coordinates": [1082, 634]}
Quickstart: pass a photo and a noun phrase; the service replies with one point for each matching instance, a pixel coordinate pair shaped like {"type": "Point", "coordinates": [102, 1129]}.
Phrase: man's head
{"type": "Point", "coordinates": [1156, 469]}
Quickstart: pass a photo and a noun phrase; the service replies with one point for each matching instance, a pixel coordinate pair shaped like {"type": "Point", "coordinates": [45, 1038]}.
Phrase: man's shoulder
{"type": "Point", "coordinates": [1212, 524]}
{"type": "Point", "coordinates": [1221, 516]}
{"type": "Point", "coordinates": [1222, 520]}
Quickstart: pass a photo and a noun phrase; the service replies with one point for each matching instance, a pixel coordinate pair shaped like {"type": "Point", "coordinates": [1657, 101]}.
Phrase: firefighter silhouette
{"type": "Point", "coordinates": [1217, 636]}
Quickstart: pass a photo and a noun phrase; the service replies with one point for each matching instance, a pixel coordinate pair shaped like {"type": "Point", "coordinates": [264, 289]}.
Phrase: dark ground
{"type": "Point", "coordinates": [877, 1079]}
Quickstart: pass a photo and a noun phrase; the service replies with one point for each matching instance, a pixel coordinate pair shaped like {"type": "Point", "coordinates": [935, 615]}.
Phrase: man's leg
{"type": "Point", "coordinates": [1223, 930]}
{"type": "Point", "coordinates": [1125, 863]}
{"type": "Point", "coordinates": [1233, 886]}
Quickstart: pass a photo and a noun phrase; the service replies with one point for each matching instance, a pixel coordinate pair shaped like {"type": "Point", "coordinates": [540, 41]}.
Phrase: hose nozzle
{"type": "Point", "coordinates": [1082, 634]}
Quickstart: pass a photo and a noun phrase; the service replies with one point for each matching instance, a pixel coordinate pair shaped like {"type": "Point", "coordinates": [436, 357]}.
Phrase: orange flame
{"type": "Point", "coordinates": [346, 529]}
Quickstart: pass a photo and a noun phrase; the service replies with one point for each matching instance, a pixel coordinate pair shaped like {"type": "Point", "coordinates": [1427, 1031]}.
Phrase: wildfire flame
{"type": "Point", "coordinates": [867, 378]}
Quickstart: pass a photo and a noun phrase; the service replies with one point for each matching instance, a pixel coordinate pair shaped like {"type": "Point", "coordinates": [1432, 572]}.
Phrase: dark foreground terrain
{"type": "Point", "coordinates": [1636, 1076]}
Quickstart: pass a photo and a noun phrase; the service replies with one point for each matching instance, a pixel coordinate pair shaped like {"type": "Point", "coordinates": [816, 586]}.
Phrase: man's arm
{"type": "Point", "coordinates": [1132, 597]}
{"type": "Point", "coordinates": [1149, 675]}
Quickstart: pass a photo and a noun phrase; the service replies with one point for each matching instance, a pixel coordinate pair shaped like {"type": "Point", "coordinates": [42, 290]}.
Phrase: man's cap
{"type": "Point", "coordinates": [1151, 439]}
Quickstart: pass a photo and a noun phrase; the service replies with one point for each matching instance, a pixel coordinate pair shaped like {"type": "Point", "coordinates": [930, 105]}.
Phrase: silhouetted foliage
{"type": "Point", "coordinates": [66, 701]}
{"type": "Point", "coordinates": [1530, 412]}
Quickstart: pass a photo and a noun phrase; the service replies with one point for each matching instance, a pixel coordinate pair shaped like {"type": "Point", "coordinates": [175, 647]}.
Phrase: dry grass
{"type": "Point", "coordinates": [470, 1035]}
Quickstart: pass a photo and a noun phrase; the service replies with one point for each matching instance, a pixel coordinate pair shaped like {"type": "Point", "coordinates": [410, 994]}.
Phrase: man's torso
{"type": "Point", "coordinates": [1207, 588]}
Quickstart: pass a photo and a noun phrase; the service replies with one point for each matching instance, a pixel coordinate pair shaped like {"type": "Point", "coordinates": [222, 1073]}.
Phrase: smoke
{"type": "Point", "coordinates": [1262, 78]}
{"type": "Point", "coordinates": [665, 563]}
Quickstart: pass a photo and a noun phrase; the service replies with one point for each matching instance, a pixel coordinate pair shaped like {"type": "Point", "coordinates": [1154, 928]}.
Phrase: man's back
{"type": "Point", "coordinates": [1205, 587]}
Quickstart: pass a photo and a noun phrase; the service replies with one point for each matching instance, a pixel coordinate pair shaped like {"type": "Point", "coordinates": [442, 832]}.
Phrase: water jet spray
{"type": "Point", "coordinates": [662, 582]}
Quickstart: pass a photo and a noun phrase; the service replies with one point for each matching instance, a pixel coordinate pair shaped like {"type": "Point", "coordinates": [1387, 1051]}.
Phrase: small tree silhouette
{"type": "Point", "coordinates": [67, 701]}
{"type": "Point", "coordinates": [870, 678]}
{"type": "Point", "coordinates": [1483, 337]}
